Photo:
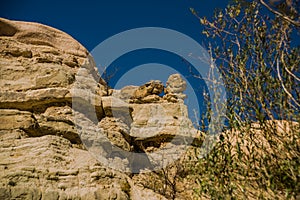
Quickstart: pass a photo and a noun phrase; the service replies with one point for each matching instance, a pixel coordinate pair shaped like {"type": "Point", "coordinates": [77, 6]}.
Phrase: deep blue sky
{"type": "Point", "coordinates": [91, 22]}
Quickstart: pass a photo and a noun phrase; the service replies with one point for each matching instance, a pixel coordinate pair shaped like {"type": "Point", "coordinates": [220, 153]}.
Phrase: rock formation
{"type": "Point", "coordinates": [148, 92]}
{"type": "Point", "coordinates": [42, 155]}
{"type": "Point", "coordinates": [175, 86]}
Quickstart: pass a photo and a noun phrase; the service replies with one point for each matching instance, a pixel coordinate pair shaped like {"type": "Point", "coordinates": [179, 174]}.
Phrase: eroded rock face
{"type": "Point", "coordinates": [39, 66]}
{"type": "Point", "coordinates": [155, 119]}
{"type": "Point", "coordinates": [41, 35]}
{"type": "Point", "coordinates": [48, 166]}
{"type": "Point", "coordinates": [47, 77]}
{"type": "Point", "coordinates": [54, 107]}
{"type": "Point", "coordinates": [117, 132]}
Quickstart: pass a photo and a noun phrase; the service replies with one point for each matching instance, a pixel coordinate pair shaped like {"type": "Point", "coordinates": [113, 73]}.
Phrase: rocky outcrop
{"type": "Point", "coordinates": [38, 66]}
{"type": "Point", "coordinates": [48, 167]}
{"type": "Point", "coordinates": [154, 91]}
{"type": "Point", "coordinates": [46, 77]}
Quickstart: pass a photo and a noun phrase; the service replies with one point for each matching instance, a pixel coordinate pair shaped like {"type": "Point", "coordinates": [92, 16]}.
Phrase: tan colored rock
{"type": "Point", "coordinates": [153, 98]}
{"type": "Point", "coordinates": [5, 193]}
{"type": "Point", "coordinates": [47, 166]}
{"type": "Point", "coordinates": [34, 99]}
{"type": "Point", "coordinates": [39, 66]}
{"type": "Point", "coordinates": [156, 124]}
{"type": "Point", "coordinates": [174, 98]}
{"type": "Point", "coordinates": [52, 99]}
{"type": "Point", "coordinates": [112, 106]}
{"type": "Point", "coordinates": [38, 34]}
{"type": "Point", "coordinates": [152, 87]}
{"type": "Point", "coordinates": [117, 132]}
{"type": "Point", "coordinates": [42, 67]}
{"type": "Point", "coordinates": [25, 193]}
{"type": "Point", "coordinates": [175, 84]}
{"type": "Point", "coordinates": [59, 114]}
{"type": "Point", "coordinates": [263, 143]}
{"type": "Point", "coordinates": [117, 108]}
{"type": "Point", "coordinates": [144, 193]}
{"type": "Point", "coordinates": [15, 119]}
{"type": "Point", "coordinates": [127, 92]}
{"type": "Point", "coordinates": [58, 128]}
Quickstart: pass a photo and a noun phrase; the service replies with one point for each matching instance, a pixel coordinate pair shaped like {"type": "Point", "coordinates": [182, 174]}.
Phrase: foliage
{"type": "Point", "coordinates": [258, 157]}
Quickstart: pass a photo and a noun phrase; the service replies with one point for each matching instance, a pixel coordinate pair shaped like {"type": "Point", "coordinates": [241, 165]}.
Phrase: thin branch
{"type": "Point", "coordinates": [293, 75]}
{"type": "Point", "coordinates": [296, 23]}
{"type": "Point", "coordinates": [220, 29]}
{"type": "Point", "coordinates": [284, 88]}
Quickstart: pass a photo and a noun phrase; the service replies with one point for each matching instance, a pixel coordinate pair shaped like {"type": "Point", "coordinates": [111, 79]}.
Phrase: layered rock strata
{"type": "Point", "coordinates": [46, 78]}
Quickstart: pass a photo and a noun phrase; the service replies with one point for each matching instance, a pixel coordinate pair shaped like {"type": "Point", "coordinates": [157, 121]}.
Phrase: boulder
{"type": "Point", "coordinates": [175, 84]}
{"type": "Point", "coordinates": [175, 87]}
{"type": "Point", "coordinates": [152, 87]}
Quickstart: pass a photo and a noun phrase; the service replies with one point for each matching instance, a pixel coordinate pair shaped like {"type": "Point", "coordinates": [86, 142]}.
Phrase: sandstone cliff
{"type": "Point", "coordinates": [42, 154]}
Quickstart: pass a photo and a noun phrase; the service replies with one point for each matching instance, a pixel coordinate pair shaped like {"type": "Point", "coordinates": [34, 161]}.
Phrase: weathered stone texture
{"type": "Point", "coordinates": [47, 77]}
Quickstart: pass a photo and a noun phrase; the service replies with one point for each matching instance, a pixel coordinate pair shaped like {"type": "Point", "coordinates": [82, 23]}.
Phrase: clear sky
{"type": "Point", "coordinates": [91, 22]}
